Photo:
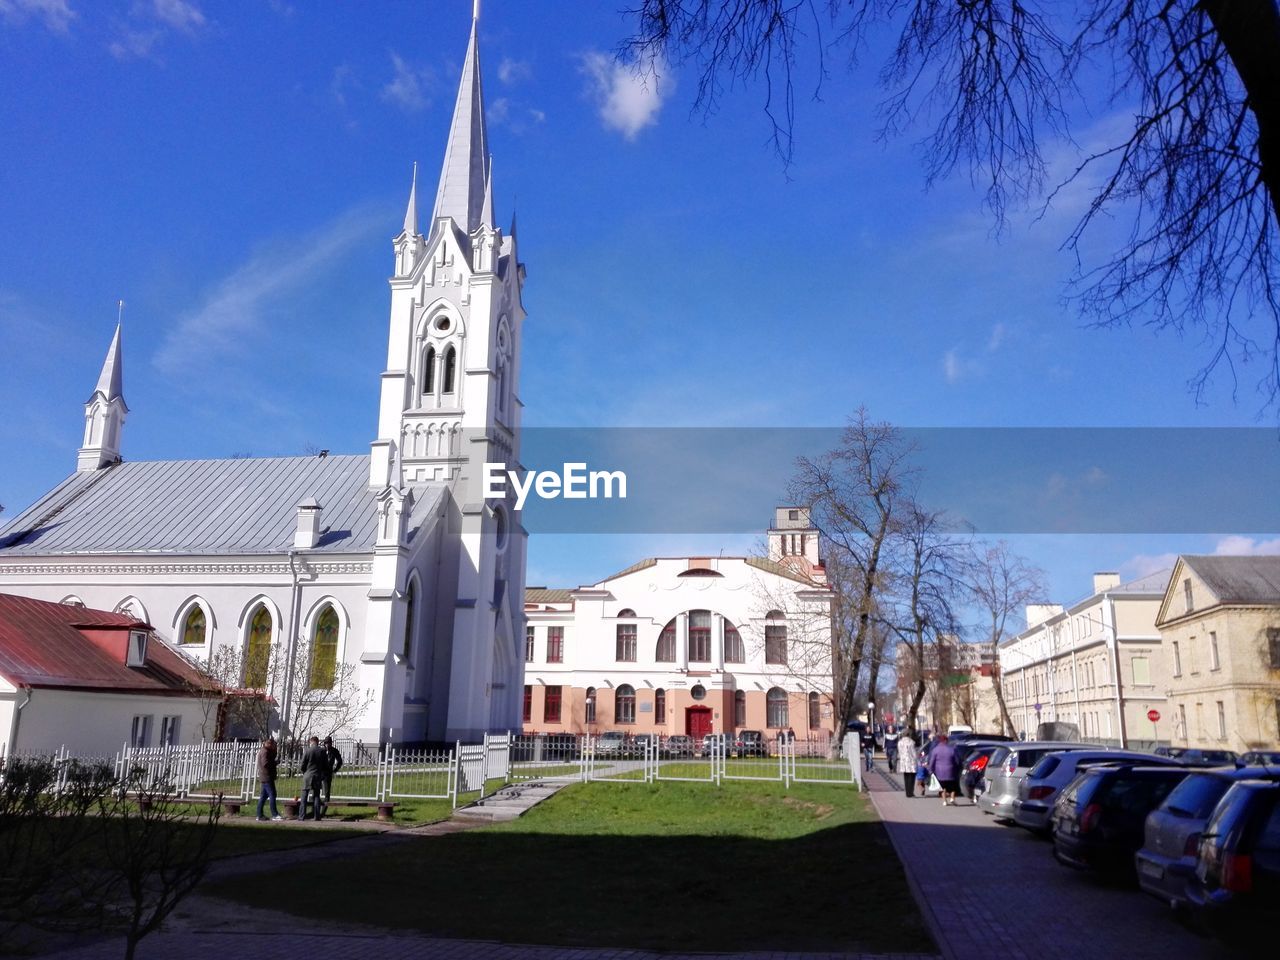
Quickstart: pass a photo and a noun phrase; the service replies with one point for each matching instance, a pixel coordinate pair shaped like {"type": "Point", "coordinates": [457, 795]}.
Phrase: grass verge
{"type": "Point", "coordinates": [746, 866]}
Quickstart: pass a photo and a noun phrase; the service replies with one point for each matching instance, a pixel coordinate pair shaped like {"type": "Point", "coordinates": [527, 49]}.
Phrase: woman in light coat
{"type": "Point", "coordinates": [908, 761]}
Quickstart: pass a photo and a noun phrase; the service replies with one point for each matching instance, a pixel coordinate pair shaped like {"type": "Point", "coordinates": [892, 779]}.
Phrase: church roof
{"type": "Point", "coordinates": [45, 644]}
{"type": "Point", "coordinates": [199, 506]}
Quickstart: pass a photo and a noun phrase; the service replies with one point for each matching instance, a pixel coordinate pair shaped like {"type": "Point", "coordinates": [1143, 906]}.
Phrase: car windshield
{"type": "Point", "coordinates": [1196, 796]}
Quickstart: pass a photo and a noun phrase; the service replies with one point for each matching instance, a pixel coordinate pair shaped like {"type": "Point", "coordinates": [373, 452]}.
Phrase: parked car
{"type": "Point", "coordinates": [610, 743]}
{"type": "Point", "coordinates": [557, 746]}
{"type": "Point", "coordinates": [973, 775]}
{"type": "Point", "coordinates": [1033, 807]}
{"type": "Point", "coordinates": [966, 751]}
{"type": "Point", "coordinates": [1261, 758]}
{"type": "Point", "coordinates": [711, 741]}
{"type": "Point", "coordinates": [1099, 818]}
{"type": "Point", "coordinates": [1171, 839]}
{"type": "Point", "coordinates": [750, 743]}
{"type": "Point", "coordinates": [1006, 768]}
{"type": "Point", "coordinates": [1236, 885]}
{"type": "Point", "coordinates": [678, 745]}
{"type": "Point", "coordinates": [639, 744]}
{"type": "Point", "coordinates": [1195, 757]}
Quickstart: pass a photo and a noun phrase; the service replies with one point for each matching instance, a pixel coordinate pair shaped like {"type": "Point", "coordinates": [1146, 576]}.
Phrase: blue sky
{"type": "Point", "coordinates": [235, 173]}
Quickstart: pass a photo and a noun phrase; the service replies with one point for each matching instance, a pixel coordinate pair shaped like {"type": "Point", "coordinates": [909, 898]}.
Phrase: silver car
{"type": "Point", "coordinates": [1006, 768]}
{"type": "Point", "coordinates": [1033, 807]}
{"type": "Point", "coordinates": [1167, 860]}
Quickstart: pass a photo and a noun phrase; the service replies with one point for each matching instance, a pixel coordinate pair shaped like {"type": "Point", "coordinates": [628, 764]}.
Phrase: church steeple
{"type": "Point", "coordinates": [411, 211]}
{"type": "Point", "coordinates": [464, 176]}
{"type": "Point", "coordinates": [104, 412]}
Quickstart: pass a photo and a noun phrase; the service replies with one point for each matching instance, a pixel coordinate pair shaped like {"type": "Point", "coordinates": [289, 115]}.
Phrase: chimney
{"type": "Point", "coordinates": [1105, 580]}
{"type": "Point", "coordinates": [307, 533]}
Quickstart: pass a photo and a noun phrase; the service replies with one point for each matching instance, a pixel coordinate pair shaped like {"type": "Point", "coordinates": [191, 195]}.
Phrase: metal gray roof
{"type": "Point", "coordinates": [202, 506]}
{"type": "Point", "coordinates": [1239, 579]}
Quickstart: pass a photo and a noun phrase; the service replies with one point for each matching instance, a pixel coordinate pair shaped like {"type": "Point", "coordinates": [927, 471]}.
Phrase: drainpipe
{"type": "Point", "coordinates": [17, 718]}
{"type": "Point", "coordinates": [286, 701]}
{"type": "Point", "coordinates": [1109, 613]}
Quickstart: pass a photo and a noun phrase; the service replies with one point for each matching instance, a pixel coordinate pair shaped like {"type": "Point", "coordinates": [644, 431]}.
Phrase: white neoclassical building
{"type": "Point", "coordinates": [687, 645]}
{"type": "Point", "coordinates": [391, 561]}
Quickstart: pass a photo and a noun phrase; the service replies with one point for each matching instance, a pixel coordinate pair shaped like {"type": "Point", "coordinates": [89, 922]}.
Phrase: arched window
{"type": "Point", "coordinates": [590, 713]}
{"type": "Point", "coordinates": [733, 652]}
{"type": "Point", "coordinates": [410, 598]}
{"type": "Point", "coordinates": [624, 710]}
{"type": "Point", "coordinates": [450, 369]}
{"type": "Point", "coordinates": [666, 652]}
{"type": "Point", "coordinates": [626, 612]}
{"type": "Point", "coordinates": [660, 706]}
{"type": "Point", "coordinates": [700, 636]}
{"type": "Point", "coordinates": [775, 702]}
{"type": "Point", "coordinates": [740, 708]}
{"type": "Point", "coordinates": [257, 649]}
{"type": "Point", "coordinates": [775, 638]}
{"type": "Point", "coordinates": [815, 712]}
{"type": "Point", "coordinates": [194, 627]}
{"type": "Point", "coordinates": [429, 372]}
{"type": "Point", "coordinates": [324, 650]}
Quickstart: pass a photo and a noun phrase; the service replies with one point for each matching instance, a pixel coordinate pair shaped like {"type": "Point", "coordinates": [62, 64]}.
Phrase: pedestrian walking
{"type": "Point", "coordinates": [334, 760]}
{"type": "Point", "coordinates": [908, 763]}
{"type": "Point", "coordinates": [868, 747]}
{"type": "Point", "coordinates": [268, 765]}
{"type": "Point", "coordinates": [314, 770]}
{"type": "Point", "coordinates": [891, 748]}
{"type": "Point", "coordinates": [945, 765]}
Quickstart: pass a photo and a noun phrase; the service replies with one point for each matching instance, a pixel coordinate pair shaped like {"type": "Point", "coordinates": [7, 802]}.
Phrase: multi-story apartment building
{"type": "Point", "coordinates": [1099, 663]}
{"type": "Point", "coordinates": [1220, 620]}
{"type": "Point", "coordinates": [687, 645]}
{"type": "Point", "coordinates": [958, 687]}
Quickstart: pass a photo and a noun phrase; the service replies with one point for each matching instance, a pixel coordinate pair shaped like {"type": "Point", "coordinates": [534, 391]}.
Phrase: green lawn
{"type": "Point", "coordinates": [743, 866]}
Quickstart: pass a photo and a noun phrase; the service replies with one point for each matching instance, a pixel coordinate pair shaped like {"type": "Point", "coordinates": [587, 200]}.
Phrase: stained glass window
{"type": "Point", "coordinates": [257, 653]}
{"type": "Point", "coordinates": [324, 650]}
{"type": "Point", "coordinates": [193, 630]}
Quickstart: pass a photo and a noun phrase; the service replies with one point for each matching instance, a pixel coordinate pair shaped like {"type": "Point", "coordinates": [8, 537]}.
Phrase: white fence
{"type": "Point", "coordinates": [229, 770]}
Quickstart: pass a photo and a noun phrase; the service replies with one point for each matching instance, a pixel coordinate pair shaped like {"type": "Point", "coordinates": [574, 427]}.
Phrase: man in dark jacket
{"type": "Point", "coordinates": [334, 759]}
{"type": "Point", "coordinates": [267, 767]}
{"type": "Point", "coordinates": [315, 767]}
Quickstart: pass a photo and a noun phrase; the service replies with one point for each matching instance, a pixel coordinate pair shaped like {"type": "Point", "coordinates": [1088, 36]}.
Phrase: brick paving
{"type": "Point", "coordinates": [993, 891]}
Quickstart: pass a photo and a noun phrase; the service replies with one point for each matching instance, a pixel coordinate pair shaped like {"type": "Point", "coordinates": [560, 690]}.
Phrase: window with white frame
{"type": "Point", "coordinates": [589, 711]}
{"type": "Point", "coordinates": [775, 638]}
{"type": "Point", "coordinates": [1177, 659]}
{"type": "Point", "coordinates": [625, 642]}
{"type": "Point", "coordinates": [624, 710]}
{"type": "Point", "coordinates": [1222, 720]}
{"type": "Point", "coordinates": [700, 636]}
{"type": "Point", "coordinates": [775, 702]}
{"type": "Point", "coordinates": [1215, 663]}
{"type": "Point", "coordinates": [170, 731]}
{"type": "Point", "coordinates": [555, 644]}
{"type": "Point", "coordinates": [733, 651]}
{"type": "Point", "coordinates": [1141, 667]}
{"type": "Point", "coordinates": [528, 644]}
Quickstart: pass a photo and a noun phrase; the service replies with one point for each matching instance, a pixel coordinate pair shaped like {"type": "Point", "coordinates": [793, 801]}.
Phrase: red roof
{"type": "Point", "coordinates": [45, 644]}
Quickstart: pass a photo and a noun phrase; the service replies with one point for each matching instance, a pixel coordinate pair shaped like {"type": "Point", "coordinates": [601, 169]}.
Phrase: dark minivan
{"type": "Point", "coordinates": [1098, 819]}
{"type": "Point", "coordinates": [1237, 880]}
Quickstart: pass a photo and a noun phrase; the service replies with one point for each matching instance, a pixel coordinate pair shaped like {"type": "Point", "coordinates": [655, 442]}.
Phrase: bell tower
{"type": "Point", "coordinates": [104, 413]}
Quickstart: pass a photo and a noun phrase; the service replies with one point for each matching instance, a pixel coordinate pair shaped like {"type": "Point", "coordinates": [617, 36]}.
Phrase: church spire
{"type": "Point", "coordinates": [466, 158]}
{"type": "Point", "coordinates": [411, 211]}
{"type": "Point", "coordinates": [105, 411]}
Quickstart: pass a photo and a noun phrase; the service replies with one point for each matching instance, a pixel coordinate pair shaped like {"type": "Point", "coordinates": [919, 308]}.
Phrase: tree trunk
{"type": "Point", "coordinates": [998, 684]}
{"type": "Point", "coordinates": [1250, 34]}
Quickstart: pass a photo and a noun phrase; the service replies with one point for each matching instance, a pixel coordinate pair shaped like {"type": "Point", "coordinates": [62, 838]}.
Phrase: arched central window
{"type": "Point", "coordinates": [700, 636]}
{"type": "Point", "coordinates": [775, 638]}
{"type": "Point", "coordinates": [324, 650]}
{"type": "Point", "coordinates": [666, 652]}
{"type": "Point", "coordinates": [624, 710]}
{"type": "Point", "coordinates": [194, 628]}
{"type": "Point", "coordinates": [660, 706]}
{"type": "Point", "coordinates": [257, 650]}
{"type": "Point", "coordinates": [775, 702]}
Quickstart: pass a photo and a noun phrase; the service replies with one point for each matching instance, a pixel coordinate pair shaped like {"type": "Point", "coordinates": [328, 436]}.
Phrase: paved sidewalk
{"type": "Point", "coordinates": [992, 891]}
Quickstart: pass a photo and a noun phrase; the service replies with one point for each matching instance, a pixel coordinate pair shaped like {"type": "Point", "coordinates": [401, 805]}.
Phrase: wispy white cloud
{"type": "Point", "coordinates": [150, 23]}
{"type": "Point", "coordinates": [410, 85]}
{"type": "Point", "coordinates": [237, 307]}
{"type": "Point", "coordinates": [1246, 546]}
{"type": "Point", "coordinates": [514, 71]}
{"type": "Point", "coordinates": [994, 341]}
{"type": "Point", "coordinates": [516, 117]}
{"type": "Point", "coordinates": [628, 96]}
{"type": "Point", "coordinates": [56, 15]}
{"type": "Point", "coordinates": [957, 367]}
{"type": "Point", "coordinates": [182, 15]}
{"type": "Point", "coordinates": [1144, 564]}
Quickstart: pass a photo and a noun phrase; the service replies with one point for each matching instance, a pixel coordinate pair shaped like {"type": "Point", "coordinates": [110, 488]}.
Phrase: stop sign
{"type": "Point", "coordinates": [1153, 715]}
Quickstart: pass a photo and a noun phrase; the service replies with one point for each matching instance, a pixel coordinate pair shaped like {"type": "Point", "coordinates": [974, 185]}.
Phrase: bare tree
{"type": "Point", "coordinates": [1195, 172]}
{"type": "Point", "coordinates": [1001, 584]}
{"type": "Point", "coordinates": [156, 851]}
{"type": "Point", "coordinates": [919, 610]}
{"type": "Point", "coordinates": [855, 493]}
{"type": "Point", "coordinates": [328, 699]}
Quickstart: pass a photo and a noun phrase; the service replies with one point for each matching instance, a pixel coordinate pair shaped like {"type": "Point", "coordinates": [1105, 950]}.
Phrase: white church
{"type": "Point", "coordinates": [392, 562]}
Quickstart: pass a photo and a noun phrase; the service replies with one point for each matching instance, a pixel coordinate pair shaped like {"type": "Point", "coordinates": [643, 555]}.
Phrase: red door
{"type": "Point", "coordinates": [697, 722]}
